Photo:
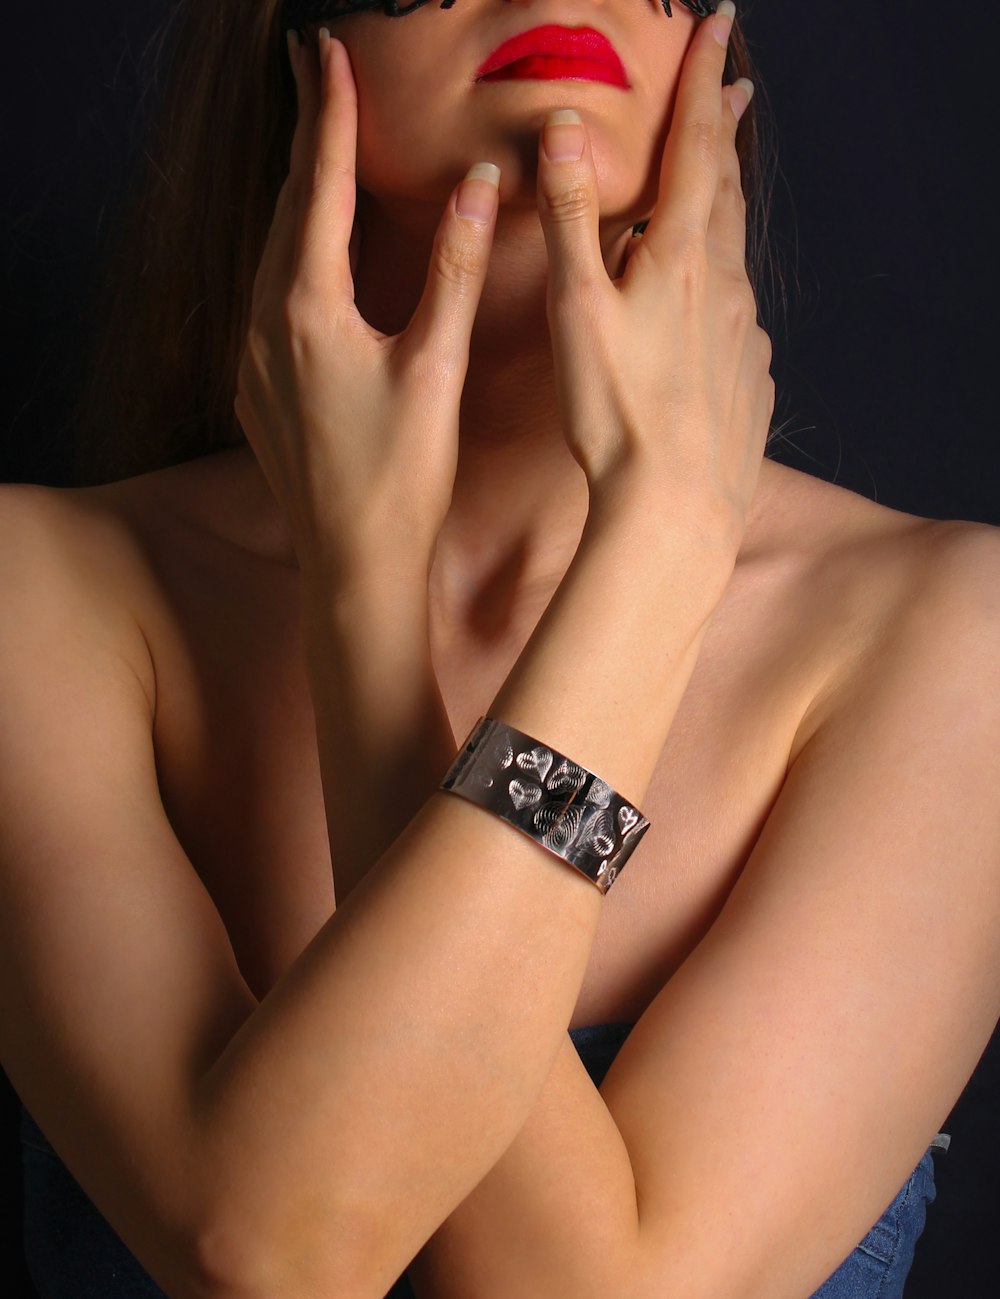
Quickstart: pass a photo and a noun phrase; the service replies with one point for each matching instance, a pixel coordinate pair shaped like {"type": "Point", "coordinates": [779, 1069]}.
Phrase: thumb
{"type": "Point", "coordinates": [568, 200]}
{"type": "Point", "coordinates": [447, 309]}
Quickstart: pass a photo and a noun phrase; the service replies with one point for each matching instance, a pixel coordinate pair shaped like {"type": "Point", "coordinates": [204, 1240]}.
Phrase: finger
{"type": "Point", "coordinates": [306, 69]}
{"type": "Point", "coordinates": [566, 189]}
{"type": "Point", "coordinates": [280, 249]}
{"type": "Point", "coordinates": [727, 230]}
{"type": "Point", "coordinates": [690, 169]}
{"type": "Point", "coordinates": [441, 327]}
{"type": "Point", "coordinates": [323, 266]}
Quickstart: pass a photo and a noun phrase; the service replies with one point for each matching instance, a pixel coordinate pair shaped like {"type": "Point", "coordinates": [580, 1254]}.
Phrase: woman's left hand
{"type": "Point", "coordinates": [663, 375]}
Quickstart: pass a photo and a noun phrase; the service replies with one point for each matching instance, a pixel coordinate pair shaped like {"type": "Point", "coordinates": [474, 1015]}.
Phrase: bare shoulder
{"type": "Point", "coordinates": [73, 576]}
{"type": "Point", "coordinates": [884, 585]}
{"type": "Point", "coordinates": [97, 556]}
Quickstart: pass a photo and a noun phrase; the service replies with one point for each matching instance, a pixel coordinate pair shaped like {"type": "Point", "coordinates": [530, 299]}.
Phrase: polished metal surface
{"type": "Point", "coordinates": [566, 808]}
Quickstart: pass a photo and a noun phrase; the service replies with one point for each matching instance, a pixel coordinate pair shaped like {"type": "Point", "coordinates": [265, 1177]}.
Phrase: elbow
{"type": "Point", "coordinates": [228, 1262]}
{"type": "Point", "coordinates": [199, 1265]}
{"type": "Point", "coordinates": [232, 1261]}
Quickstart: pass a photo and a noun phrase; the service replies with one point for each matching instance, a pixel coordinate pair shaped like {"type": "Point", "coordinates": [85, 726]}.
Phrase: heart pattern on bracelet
{"type": "Point", "coordinates": [523, 794]}
{"type": "Point", "coordinates": [600, 792]}
{"type": "Point", "coordinates": [558, 825]}
{"type": "Point", "coordinates": [568, 775]}
{"type": "Point", "coordinates": [536, 762]}
{"type": "Point", "coordinates": [599, 835]}
{"type": "Point", "coordinates": [562, 804]}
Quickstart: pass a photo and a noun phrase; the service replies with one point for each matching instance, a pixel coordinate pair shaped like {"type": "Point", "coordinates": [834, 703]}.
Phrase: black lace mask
{"type": "Point", "coordinates": [299, 13]}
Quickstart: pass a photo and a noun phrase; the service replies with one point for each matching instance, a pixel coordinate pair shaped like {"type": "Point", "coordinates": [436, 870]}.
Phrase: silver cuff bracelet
{"type": "Point", "coordinates": [551, 799]}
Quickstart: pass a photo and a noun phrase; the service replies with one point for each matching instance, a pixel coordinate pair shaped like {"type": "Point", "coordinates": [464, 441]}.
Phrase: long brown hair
{"type": "Point", "coordinates": [181, 255]}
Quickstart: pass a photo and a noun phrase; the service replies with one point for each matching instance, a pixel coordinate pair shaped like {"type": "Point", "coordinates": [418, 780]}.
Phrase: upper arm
{"type": "Point", "coordinates": [118, 986]}
{"type": "Point", "coordinates": [782, 1086]}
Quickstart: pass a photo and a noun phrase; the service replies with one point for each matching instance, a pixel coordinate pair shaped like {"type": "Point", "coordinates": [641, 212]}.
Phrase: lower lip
{"type": "Point", "coordinates": [551, 67]}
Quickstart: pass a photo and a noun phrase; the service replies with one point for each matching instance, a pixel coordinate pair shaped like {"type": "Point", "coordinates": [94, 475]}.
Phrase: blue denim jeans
{"type": "Point", "coordinates": [877, 1268]}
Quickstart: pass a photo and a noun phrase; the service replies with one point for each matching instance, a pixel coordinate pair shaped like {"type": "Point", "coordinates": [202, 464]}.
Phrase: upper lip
{"type": "Point", "coordinates": [569, 42]}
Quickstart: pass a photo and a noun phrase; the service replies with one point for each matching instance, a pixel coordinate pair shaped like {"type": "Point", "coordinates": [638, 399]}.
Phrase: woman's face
{"type": "Point", "coordinates": [423, 119]}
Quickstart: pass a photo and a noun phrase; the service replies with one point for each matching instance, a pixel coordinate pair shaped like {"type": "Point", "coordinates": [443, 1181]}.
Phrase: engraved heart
{"type": "Point", "coordinates": [600, 792]}
{"type": "Point", "coordinates": [599, 835]}
{"type": "Point", "coordinates": [568, 775]}
{"type": "Point", "coordinates": [536, 762]}
{"type": "Point", "coordinates": [627, 818]}
{"type": "Point", "coordinates": [522, 794]}
{"type": "Point", "coordinates": [607, 874]}
{"type": "Point", "coordinates": [558, 825]}
{"type": "Point", "coordinates": [503, 754]}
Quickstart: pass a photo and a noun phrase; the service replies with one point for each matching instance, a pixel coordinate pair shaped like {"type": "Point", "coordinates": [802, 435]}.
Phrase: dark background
{"type": "Point", "coordinates": [886, 376]}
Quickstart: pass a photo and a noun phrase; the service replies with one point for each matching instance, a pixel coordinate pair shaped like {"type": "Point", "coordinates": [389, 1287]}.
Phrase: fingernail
{"type": "Point", "coordinates": [740, 96]}
{"type": "Point", "coordinates": [473, 201]}
{"type": "Point", "coordinates": [722, 23]}
{"type": "Point", "coordinates": [562, 136]}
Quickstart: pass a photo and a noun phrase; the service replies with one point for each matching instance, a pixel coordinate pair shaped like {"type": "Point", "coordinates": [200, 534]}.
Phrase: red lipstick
{"type": "Point", "coordinates": [556, 53]}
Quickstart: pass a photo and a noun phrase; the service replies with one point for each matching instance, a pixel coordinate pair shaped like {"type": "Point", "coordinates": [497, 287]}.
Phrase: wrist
{"type": "Point", "coordinates": [649, 519]}
{"type": "Point", "coordinates": [374, 600]}
{"type": "Point", "coordinates": [333, 569]}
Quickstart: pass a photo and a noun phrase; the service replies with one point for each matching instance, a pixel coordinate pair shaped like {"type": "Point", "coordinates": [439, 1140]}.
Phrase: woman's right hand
{"type": "Point", "coordinates": [356, 431]}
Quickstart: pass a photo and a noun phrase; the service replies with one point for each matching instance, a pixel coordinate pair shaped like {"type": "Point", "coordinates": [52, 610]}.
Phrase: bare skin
{"type": "Point", "coordinates": [195, 557]}
{"type": "Point", "coordinates": [211, 564]}
{"type": "Point", "coordinates": [211, 586]}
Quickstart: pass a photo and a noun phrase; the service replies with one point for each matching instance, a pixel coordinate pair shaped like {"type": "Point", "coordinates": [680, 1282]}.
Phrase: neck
{"type": "Point", "coordinates": [520, 498]}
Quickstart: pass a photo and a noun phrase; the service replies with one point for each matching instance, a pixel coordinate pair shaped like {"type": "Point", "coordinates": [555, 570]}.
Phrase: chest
{"type": "Point", "coordinates": [239, 776]}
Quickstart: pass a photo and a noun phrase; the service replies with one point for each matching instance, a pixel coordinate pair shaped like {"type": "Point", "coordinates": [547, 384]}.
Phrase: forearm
{"type": "Point", "coordinates": [382, 731]}
{"type": "Point", "coordinates": [417, 1030]}
{"type": "Point", "coordinates": [557, 1215]}
{"type": "Point", "coordinates": [607, 665]}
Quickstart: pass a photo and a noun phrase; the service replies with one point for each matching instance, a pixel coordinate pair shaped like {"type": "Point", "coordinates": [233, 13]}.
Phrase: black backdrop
{"type": "Point", "coordinates": [886, 378]}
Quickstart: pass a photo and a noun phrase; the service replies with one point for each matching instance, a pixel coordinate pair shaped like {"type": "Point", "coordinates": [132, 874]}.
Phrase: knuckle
{"type": "Point", "coordinates": [458, 260]}
{"type": "Point", "coordinates": [305, 328]}
{"type": "Point", "coordinates": [567, 204]}
{"type": "Point", "coordinates": [299, 313]}
{"type": "Point", "coordinates": [257, 352]}
{"type": "Point", "coordinates": [703, 137]}
{"type": "Point", "coordinates": [258, 342]}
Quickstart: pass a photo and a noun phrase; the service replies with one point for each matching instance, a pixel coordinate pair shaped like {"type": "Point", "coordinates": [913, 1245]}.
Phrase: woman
{"type": "Point", "coordinates": [508, 469]}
